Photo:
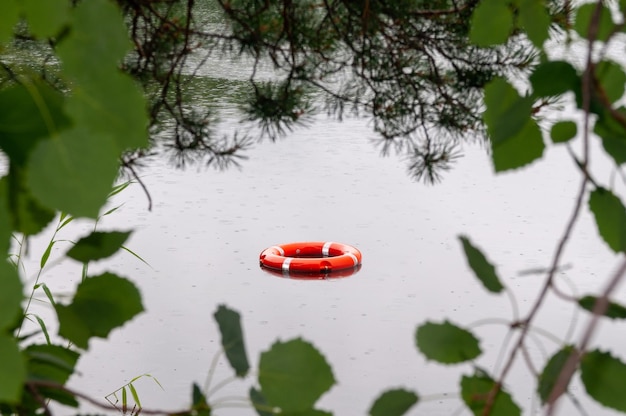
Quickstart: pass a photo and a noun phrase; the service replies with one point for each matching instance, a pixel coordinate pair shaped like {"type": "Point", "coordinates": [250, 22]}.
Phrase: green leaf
{"type": "Point", "coordinates": [612, 79]}
{"type": "Point", "coordinates": [8, 19]}
{"type": "Point", "coordinates": [482, 268]}
{"type": "Point", "coordinates": [492, 23]}
{"type": "Point", "coordinates": [507, 113]}
{"type": "Point", "coordinates": [520, 150]}
{"type": "Point", "coordinates": [48, 294]}
{"type": "Point", "coordinates": [29, 112]}
{"type": "Point", "coordinates": [446, 343]}
{"type": "Point", "coordinates": [554, 78]}
{"type": "Point", "coordinates": [535, 19]}
{"type": "Point", "coordinates": [393, 403]}
{"type": "Point", "coordinates": [115, 105]}
{"type": "Point", "coordinates": [613, 135]}
{"type": "Point", "coordinates": [259, 403]}
{"type": "Point", "coordinates": [229, 323]}
{"type": "Point", "coordinates": [5, 217]}
{"type": "Point", "coordinates": [50, 362]}
{"type": "Point", "coordinates": [45, 18]}
{"type": "Point", "coordinates": [550, 374]}
{"type": "Point", "coordinates": [614, 310]}
{"type": "Point", "coordinates": [610, 217]}
{"type": "Point", "coordinates": [563, 131]}
{"type": "Point", "coordinates": [133, 393]}
{"type": "Point", "coordinates": [98, 245]}
{"type": "Point", "coordinates": [98, 29]}
{"type": "Point", "coordinates": [10, 296]}
{"type": "Point", "coordinates": [200, 404]}
{"type": "Point", "coordinates": [475, 390]}
{"type": "Point", "coordinates": [584, 16]}
{"type": "Point", "coordinates": [516, 139]}
{"type": "Point", "coordinates": [124, 400]}
{"type": "Point", "coordinates": [603, 377]}
{"type": "Point", "coordinates": [28, 215]}
{"type": "Point", "coordinates": [107, 100]}
{"type": "Point", "coordinates": [101, 304]}
{"type": "Point", "coordinates": [74, 172]}
{"type": "Point", "coordinates": [44, 328]}
{"type": "Point", "coordinates": [293, 375]}
{"type": "Point", "coordinates": [46, 254]}
{"type": "Point", "coordinates": [12, 370]}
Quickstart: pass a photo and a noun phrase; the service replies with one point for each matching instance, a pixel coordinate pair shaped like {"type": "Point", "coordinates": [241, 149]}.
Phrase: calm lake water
{"type": "Point", "coordinates": [207, 228]}
{"type": "Point", "coordinates": [204, 234]}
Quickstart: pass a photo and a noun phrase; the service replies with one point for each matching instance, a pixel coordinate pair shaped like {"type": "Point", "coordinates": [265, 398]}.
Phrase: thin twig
{"type": "Point", "coordinates": [138, 179]}
{"type": "Point", "coordinates": [570, 366]}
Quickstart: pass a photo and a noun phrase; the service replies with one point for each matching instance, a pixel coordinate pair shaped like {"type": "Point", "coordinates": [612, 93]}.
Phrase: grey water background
{"type": "Point", "coordinates": [328, 182]}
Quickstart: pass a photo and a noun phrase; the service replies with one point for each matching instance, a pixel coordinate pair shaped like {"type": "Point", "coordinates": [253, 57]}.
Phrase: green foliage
{"type": "Point", "coordinates": [613, 311]}
{"type": "Point", "coordinates": [54, 364]}
{"type": "Point", "coordinates": [603, 377]}
{"type": "Point", "coordinates": [29, 113]}
{"type": "Point", "coordinates": [476, 391]}
{"type": "Point", "coordinates": [97, 245]}
{"type": "Point", "coordinates": [584, 17]}
{"type": "Point", "coordinates": [83, 164]}
{"type": "Point", "coordinates": [199, 402]}
{"type": "Point", "coordinates": [610, 216]}
{"type": "Point", "coordinates": [507, 113]}
{"type": "Point", "coordinates": [28, 214]}
{"type": "Point", "coordinates": [259, 403]}
{"type": "Point", "coordinates": [520, 150]}
{"type": "Point", "coordinates": [107, 111]}
{"type": "Point", "coordinates": [101, 304]}
{"type": "Point", "coordinates": [516, 139]}
{"type": "Point", "coordinates": [551, 372]}
{"type": "Point", "coordinates": [12, 370]}
{"type": "Point", "coordinates": [492, 23]}
{"type": "Point", "coordinates": [554, 78]}
{"type": "Point", "coordinates": [482, 268]}
{"type": "Point", "coordinates": [446, 343]}
{"type": "Point", "coordinates": [535, 20]}
{"type": "Point", "coordinates": [229, 323]}
{"type": "Point", "coordinates": [563, 131]}
{"type": "Point", "coordinates": [8, 19]}
{"type": "Point", "coordinates": [393, 403]}
{"type": "Point", "coordinates": [10, 296]}
{"type": "Point", "coordinates": [613, 135]}
{"type": "Point", "coordinates": [45, 19]}
{"type": "Point", "coordinates": [612, 79]}
{"type": "Point", "coordinates": [293, 375]}
{"type": "Point", "coordinates": [5, 219]}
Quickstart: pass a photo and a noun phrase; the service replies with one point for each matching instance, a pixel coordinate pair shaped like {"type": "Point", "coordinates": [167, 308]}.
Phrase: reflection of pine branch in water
{"type": "Point", "coordinates": [412, 71]}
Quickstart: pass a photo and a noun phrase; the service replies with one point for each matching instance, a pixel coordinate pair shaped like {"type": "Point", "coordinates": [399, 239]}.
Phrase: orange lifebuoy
{"type": "Point", "coordinates": [310, 257]}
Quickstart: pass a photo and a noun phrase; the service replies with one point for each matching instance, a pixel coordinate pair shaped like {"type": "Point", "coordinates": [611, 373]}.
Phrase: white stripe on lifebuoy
{"type": "Point", "coordinates": [280, 250]}
{"type": "Point", "coordinates": [326, 249]}
{"type": "Point", "coordinates": [286, 263]}
{"type": "Point", "coordinates": [354, 259]}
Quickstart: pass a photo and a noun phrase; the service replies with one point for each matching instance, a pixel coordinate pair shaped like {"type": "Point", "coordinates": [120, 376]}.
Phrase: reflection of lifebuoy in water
{"type": "Point", "coordinates": [312, 276]}
{"type": "Point", "coordinates": [311, 257]}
